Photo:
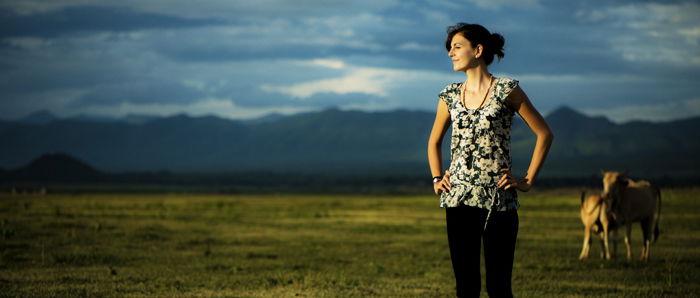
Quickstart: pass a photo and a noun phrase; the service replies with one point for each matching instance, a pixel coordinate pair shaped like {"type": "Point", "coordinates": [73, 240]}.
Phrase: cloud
{"type": "Point", "coordinates": [576, 78]}
{"type": "Point", "coordinates": [176, 55]}
{"type": "Point", "coordinates": [359, 80]}
{"type": "Point", "coordinates": [286, 38]}
{"type": "Point", "coordinates": [329, 63]}
{"type": "Point", "coordinates": [82, 19]}
{"type": "Point", "coordinates": [414, 46]}
{"type": "Point", "coordinates": [28, 43]}
{"type": "Point", "coordinates": [221, 9]}
{"type": "Point", "coordinates": [57, 101]}
{"type": "Point", "coordinates": [375, 81]}
{"type": "Point", "coordinates": [652, 32]}
{"type": "Point", "coordinates": [692, 35]}
{"type": "Point", "coordinates": [144, 91]}
{"type": "Point", "coordinates": [498, 4]}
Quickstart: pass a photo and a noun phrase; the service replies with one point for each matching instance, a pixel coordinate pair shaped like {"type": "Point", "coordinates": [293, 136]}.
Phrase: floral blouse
{"type": "Point", "coordinates": [480, 147]}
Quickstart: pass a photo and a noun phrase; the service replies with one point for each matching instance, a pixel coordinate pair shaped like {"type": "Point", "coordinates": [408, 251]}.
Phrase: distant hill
{"type": "Point", "coordinates": [55, 167]}
{"type": "Point", "coordinates": [38, 117]}
{"type": "Point", "coordinates": [266, 118]}
{"type": "Point", "coordinates": [646, 148]}
{"type": "Point", "coordinates": [129, 118]}
{"type": "Point", "coordinates": [335, 141]}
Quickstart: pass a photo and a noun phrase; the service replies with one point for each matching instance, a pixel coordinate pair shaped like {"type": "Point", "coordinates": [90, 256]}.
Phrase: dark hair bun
{"type": "Point", "coordinates": [496, 44]}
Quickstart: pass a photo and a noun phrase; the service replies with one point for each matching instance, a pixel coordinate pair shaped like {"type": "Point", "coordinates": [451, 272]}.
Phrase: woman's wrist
{"type": "Point", "coordinates": [524, 184]}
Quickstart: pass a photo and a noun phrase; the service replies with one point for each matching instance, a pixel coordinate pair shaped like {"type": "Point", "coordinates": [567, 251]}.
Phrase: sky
{"type": "Point", "coordinates": [626, 60]}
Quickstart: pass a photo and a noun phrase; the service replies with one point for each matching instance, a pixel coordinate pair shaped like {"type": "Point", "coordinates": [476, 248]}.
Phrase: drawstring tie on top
{"type": "Point", "coordinates": [495, 194]}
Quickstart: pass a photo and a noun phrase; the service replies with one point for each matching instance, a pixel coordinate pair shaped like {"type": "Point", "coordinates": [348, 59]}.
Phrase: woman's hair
{"type": "Point", "coordinates": [478, 35]}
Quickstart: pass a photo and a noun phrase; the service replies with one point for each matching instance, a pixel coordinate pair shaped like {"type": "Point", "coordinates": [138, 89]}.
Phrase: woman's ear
{"type": "Point", "coordinates": [478, 50]}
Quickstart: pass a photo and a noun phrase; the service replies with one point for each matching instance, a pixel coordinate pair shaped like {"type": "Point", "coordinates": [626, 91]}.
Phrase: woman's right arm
{"type": "Point", "coordinates": [442, 122]}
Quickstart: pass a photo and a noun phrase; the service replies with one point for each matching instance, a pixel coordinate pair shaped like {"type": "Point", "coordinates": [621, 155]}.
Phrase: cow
{"type": "Point", "coordinates": [633, 201]}
{"type": "Point", "coordinates": [596, 217]}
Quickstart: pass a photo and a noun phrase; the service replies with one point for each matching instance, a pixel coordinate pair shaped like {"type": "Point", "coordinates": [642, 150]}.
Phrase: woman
{"type": "Point", "coordinates": [478, 191]}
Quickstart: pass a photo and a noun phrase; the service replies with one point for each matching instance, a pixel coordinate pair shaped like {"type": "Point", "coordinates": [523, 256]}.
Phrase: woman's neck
{"type": "Point", "coordinates": [478, 78]}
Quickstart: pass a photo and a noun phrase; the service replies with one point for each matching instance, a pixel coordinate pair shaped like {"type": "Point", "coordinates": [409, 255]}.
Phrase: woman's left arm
{"type": "Point", "coordinates": [519, 101]}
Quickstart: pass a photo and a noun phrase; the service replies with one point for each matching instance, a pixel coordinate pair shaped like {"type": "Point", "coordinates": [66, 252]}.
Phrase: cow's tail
{"type": "Point", "coordinates": [583, 197]}
{"type": "Point", "coordinates": [658, 214]}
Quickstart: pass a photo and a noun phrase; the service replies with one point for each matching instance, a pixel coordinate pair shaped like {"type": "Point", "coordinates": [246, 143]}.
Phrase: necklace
{"type": "Point", "coordinates": [463, 98]}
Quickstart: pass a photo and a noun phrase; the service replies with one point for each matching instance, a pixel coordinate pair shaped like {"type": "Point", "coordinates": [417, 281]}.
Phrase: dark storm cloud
{"type": "Point", "coordinates": [381, 36]}
{"type": "Point", "coordinates": [234, 51]}
{"type": "Point", "coordinates": [260, 55]}
{"type": "Point", "coordinates": [82, 19]}
{"type": "Point", "coordinates": [37, 77]}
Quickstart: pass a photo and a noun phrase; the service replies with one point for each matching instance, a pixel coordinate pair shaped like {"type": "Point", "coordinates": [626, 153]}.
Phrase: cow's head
{"type": "Point", "coordinates": [612, 181]}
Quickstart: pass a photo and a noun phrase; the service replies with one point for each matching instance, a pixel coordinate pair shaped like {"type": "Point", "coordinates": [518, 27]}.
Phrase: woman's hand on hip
{"type": "Point", "coordinates": [508, 180]}
{"type": "Point", "coordinates": [443, 185]}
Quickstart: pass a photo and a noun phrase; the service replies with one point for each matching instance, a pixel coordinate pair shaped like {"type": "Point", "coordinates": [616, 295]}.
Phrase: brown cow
{"type": "Point", "coordinates": [596, 217]}
{"type": "Point", "coordinates": [633, 201]}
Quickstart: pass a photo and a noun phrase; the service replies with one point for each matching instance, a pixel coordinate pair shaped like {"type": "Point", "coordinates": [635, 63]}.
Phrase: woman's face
{"type": "Point", "coordinates": [462, 53]}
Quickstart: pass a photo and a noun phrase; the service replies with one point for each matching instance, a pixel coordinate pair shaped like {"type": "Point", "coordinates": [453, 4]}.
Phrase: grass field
{"type": "Point", "coordinates": [314, 246]}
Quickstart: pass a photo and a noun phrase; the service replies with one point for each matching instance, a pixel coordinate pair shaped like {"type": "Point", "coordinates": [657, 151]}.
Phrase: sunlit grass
{"type": "Point", "coordinates": [293, 245]}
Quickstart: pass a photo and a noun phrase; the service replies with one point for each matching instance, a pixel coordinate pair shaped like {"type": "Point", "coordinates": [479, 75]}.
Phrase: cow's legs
{"type": "Point", "coordinates": [646, 233]}
{"type": "Point", "coordinates": [606, 247]}
{"type": "Point", "coordinates": [628, 240]}
{"type": "Point", "coordinates": [586, 243]}
{"type": "Point", "coordinates": [614, 244]}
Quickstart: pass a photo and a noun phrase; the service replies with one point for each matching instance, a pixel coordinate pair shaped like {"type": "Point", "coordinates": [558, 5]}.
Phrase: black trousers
{"type": "Point", "coordinates": [465, 229]}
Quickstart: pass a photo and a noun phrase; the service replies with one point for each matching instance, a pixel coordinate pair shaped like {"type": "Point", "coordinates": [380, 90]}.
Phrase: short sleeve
{"type": "Point", "coordinates": [508, 86]}
{"type": "Point", "coordinates": [505, 87]}
{"type": "Point", "coordinates": [444, 95]}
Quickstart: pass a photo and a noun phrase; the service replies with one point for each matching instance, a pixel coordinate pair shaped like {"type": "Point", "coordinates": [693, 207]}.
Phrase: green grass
{"type": "Point", "coordinates": [333, 246]}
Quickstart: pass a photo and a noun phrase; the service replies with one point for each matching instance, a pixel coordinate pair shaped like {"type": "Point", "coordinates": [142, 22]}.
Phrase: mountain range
{"type": "Point", "coordinates": [339, 142]}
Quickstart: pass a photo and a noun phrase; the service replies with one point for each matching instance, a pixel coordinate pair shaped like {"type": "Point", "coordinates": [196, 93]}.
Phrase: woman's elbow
{"type": "Point", "coordinates": [548, 136]}
{"type": "Point", "coordinates": [545, 135]}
